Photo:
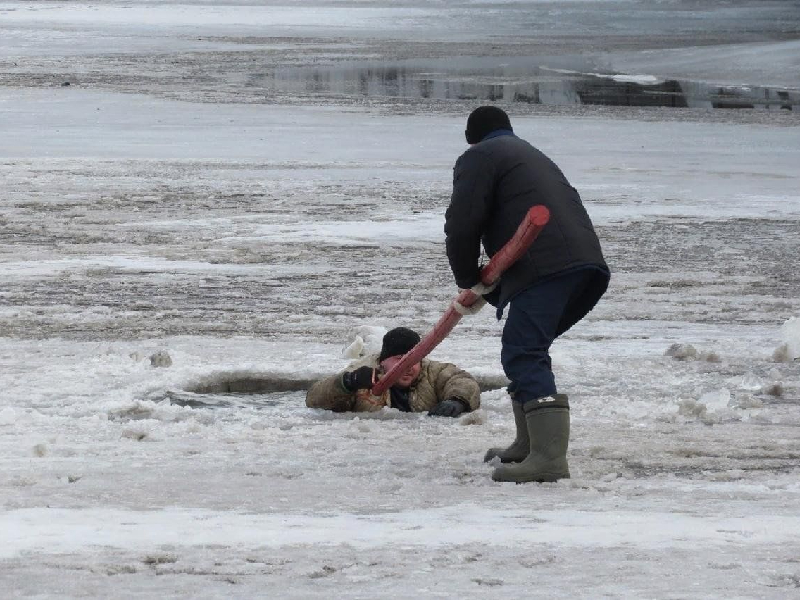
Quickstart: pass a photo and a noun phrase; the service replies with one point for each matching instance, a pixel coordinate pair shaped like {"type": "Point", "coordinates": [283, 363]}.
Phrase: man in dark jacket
{"type": "Point", "coordinates": [553, 286]}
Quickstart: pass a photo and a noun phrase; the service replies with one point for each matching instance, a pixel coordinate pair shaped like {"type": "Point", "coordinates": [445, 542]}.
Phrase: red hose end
{"type": "Point", "coordinates": [539, 215]}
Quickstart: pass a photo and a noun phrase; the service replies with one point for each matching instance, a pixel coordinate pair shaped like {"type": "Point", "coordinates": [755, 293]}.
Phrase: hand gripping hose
{"type": "Point", "coordinates": [534, 221]}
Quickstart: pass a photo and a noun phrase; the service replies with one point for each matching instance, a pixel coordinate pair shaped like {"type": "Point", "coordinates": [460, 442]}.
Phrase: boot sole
{"type": "Point", "coordinates": [538, 478]}
{"type": "Point", "coordinates": [506, 461]}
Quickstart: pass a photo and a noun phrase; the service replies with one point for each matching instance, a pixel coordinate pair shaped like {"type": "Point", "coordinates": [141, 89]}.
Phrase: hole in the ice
{"type": "Point", "coordinates": [262, 390]}
{"type": "Point", "coordinates": [515, 79]}
{"type": "Point", "coordinates": [241, 389]}
{"type": "Point", "coordinates": [248, 383]}
{"type": "Point", "coordinates": [251, 401]}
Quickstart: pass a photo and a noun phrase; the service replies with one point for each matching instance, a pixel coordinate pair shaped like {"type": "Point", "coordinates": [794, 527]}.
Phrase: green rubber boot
{"type": "Point", "coordinates": [521, 445]}
{"type": "Point", "coordinates": [548, 430]}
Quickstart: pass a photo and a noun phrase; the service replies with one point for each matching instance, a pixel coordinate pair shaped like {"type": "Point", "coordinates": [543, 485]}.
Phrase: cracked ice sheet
{"type": "Point", "coordinates": [234, 501]}
{"type": "Point", "coordinates": [770, 64]}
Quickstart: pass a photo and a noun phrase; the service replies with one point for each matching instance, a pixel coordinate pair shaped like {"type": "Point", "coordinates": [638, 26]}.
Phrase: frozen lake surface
{"type": "Point", "coordinates": [168, 200]}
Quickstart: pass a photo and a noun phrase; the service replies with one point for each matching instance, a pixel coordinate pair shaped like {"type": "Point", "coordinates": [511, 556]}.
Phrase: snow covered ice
{"type": "Point", "coordinates": [183, 251]}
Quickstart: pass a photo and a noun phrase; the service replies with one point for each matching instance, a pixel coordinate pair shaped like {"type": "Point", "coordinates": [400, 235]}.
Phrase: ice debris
{"type": "Point", "coordinates": [691, 408]}
{"type": "Point", "coordinates": [750, 382]}
{"type": "Point", "coordinates": [477, 417]}
{"type": "Point", "coordinates": [716, 400]}
{"type": "Point", "coordinates": [689, 352]}
{"type": "Point", "coordinates": [365, 340]}
{"type": "Point", "coordinates": [160, 359]}
{"type": "Point", "coordinates": [745, 402]}
{"type": "Point", "coordinates": [718, 406]}
{"type": "Point", "coordinates": [8, 416]}
{"type": "Point", "coordinates": [681, 351]}
{"type": "Point", "coordinates": [790, 332]}
{"type": "Point", "coordinates": [782, 354]}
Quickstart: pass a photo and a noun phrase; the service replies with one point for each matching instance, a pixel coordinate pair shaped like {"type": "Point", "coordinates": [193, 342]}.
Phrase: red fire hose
{"type": "Point", "coordinates": [531, 225]}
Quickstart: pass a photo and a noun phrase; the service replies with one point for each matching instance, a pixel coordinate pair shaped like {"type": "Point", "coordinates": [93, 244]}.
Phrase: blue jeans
{"type": "Point", "coordinates": [536, 317]}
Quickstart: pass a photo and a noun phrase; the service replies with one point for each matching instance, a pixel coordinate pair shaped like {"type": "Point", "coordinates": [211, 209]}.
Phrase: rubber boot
{"type": "Point", "coordinates": [520, 447]}
{"type": "Point", "coordinates": [548, 430]}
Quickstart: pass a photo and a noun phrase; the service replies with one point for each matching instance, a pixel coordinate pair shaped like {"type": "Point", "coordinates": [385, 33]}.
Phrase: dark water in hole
{"type": "Point", "coordinates": [259, 391]}
{"type": "Point", "coordinates": [251, 401]}
{"type": "Point", "coordinates": [514, 79]}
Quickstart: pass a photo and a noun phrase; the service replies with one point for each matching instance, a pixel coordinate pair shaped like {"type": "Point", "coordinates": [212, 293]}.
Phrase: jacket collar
{"type": "Point", "coordinates": [498, 133]}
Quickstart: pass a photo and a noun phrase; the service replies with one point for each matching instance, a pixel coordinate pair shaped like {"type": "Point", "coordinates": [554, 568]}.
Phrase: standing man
{"type": "Point", "coordinates": [552, 287]}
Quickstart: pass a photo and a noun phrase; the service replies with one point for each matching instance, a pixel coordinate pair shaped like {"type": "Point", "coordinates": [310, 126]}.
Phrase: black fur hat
{"type": "Point", "coordinates": [484, 120]}
{"type": "Point", "coordinates": [397, 342]}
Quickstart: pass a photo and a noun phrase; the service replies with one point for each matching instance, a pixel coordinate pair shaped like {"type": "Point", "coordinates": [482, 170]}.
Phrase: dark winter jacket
{"type": "Point", "coordinates": [437, 381]}
{"type": "Point", "coordinates": [495, 183]}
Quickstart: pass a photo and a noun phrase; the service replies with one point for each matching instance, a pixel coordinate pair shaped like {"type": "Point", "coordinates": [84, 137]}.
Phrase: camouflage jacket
{"type": "Point", "coordinates": [437, 381]}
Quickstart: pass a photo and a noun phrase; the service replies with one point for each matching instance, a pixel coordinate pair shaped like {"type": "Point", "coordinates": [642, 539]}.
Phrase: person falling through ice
{"type": "Point", "coordinates": [441, 389]}
{"type": "Point", "coordinates": [552, 287]}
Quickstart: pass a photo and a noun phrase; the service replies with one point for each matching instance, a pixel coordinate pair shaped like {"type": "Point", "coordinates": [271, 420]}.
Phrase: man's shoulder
{"type": "Point", "coordinates": [503, 143]}
{"type": "Point", "coordinates": [472, 155]}
{"type": "Point", "coordinates": [489, 150]}
{"type": "Point", "coordinates": [437, 366]}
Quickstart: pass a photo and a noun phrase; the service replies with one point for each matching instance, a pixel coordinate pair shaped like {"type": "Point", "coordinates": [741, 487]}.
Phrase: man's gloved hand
{"type": "Point", "coordinates": [473, 309]}
{"type": "Point", "coordinates": [362, 378]}
{"type": "Point", "coordinates": [480, 289]}
{"type": "Point", "coordinates": [452, 407]}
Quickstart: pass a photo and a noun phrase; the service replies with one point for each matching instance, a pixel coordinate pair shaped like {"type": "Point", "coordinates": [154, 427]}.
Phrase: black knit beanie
{"type": "Point", "coordinates": [483, 121]}
{"type": "Point", "coordinates": [398, 341]}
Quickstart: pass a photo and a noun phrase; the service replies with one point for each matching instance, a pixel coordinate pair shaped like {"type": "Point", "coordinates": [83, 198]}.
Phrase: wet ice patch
{"type": "Point", "coordinates": [411, 229]}
{"type": "Point", "coordinates": [640, 79]}
{"type": "Point", "coordinates": [384, 414]}
{"type": "Point", "coordinates": [142, 410]}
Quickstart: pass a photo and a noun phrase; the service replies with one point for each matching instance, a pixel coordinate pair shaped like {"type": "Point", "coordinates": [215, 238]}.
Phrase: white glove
{"type": "Point", "coordinates": [480, 289]}
{"type": "Point", "coordinates": [469, 310]}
